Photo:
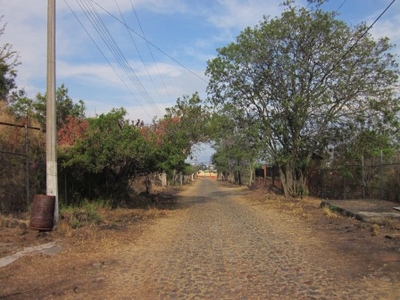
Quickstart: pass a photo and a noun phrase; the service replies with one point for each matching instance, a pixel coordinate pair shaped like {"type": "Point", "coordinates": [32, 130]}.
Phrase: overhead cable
{"type": "Point", "coordinates": [150, 43]}
{"type": "Point", "coordinates": [148, 46]}
{"type": "Point", "coordinates": [100, 27]}
{"type": "Point", "coordinates": [137, 50]}
{"type": "Point", "coordinates": [105, 57]}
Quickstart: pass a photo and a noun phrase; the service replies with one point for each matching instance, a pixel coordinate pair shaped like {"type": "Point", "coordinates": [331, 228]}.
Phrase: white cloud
{"type": "Point", "coordinates": [88, 75]}
{"type": "Point", "coordinates": [241, 14]}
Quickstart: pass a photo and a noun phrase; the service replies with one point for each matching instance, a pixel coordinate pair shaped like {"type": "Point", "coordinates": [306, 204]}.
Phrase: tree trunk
{"type": "Point", "coordinates": [294, 182]}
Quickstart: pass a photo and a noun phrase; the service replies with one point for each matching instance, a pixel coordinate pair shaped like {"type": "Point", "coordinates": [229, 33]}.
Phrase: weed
{"type": "Point", "coordinates": [85, 214]}
{"type": "Point", "coordinates": [374, 229]}
{"type": "Point", "coordinates": [390, 224]}
{"type": "Point", "coordinates": [328, 212]}
{"type": "Point", "coordinates": [64, 228]}
{"type": "Point", "coordinates": [334, 208]}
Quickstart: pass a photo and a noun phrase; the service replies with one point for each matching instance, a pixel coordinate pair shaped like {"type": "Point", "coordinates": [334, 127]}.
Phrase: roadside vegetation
{"type": "Point", "coordinates": [301, 91]}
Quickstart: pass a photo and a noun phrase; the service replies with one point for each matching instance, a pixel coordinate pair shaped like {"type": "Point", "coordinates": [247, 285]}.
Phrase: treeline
{"type": "Point", "coordinates": [303, 91]}
{"type": "Point", "coordinates": [98, 157]}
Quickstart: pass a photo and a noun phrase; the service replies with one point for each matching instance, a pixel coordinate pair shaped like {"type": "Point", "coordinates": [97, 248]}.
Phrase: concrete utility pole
{"type": "Point", "coordinates": [51, 130]}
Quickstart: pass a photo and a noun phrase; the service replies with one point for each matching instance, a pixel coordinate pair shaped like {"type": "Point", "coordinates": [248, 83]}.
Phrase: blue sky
{"type": "Point", "coordinates": [132, 76]}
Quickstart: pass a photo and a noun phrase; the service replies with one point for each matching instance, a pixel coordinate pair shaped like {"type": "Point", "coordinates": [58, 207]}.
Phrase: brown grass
{"type": "Point", "coordinates": [329, 213]}
{"type": "Point", "coordinates": [374, 229]}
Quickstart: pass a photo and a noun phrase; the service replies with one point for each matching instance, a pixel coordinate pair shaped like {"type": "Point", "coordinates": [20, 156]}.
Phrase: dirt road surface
{"type": "Point", "coordinates": [217, 245]}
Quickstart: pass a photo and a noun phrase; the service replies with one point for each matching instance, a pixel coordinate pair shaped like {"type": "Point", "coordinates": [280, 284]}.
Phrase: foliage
{"type": "Point", "coordinates": [106, 157]}
{"type": "Point", "coordinates": [309, 80]}
{"type": "Point", "coordinates": [8, 62]}
{"type": "Point", "coordinates": [237, 145]}
{"type": "Point", "coordinates": [174, 136]}
{"type": "Point", "coordinates": [101, 156]}
{"type": "Point", "coordinates": [72, 129]}
{"type": "Point", "coordinates": [22, 106]}
{"type": "Point", "coordinates": [86, 213]}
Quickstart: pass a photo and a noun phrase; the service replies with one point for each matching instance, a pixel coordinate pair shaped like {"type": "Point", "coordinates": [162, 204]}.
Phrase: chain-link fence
{"type": "Point", "coordinates": [373, 178]}
{"type": "Point", "coordinates": [22, 161]}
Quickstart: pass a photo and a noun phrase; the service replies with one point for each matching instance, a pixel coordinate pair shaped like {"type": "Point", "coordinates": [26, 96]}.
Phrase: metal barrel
{"type": "Point", "coordinates": [42, 216]}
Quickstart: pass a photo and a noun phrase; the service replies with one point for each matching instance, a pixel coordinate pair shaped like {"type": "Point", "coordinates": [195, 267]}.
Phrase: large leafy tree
{"type": "Point", "coordinates": [237, 145]}
{"type": "Point", "coordinates": [184, 125]}
{"type": "Point", "coordinates": [193, 126]}
{"type": "Point", "coordinates": [104, 156]}
{"type": "Point", "coordinates": [306, 77]}
{"type": "Point", "coordinates": [22, 106]}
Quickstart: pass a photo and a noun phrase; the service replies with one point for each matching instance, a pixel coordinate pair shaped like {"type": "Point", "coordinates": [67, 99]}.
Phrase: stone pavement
{"type": "Point", "coordinates": [218, 244]}
{"type": "Point", "coordinates": [370, 210]}
{"type": "Point", "coordinates": [221, 247]}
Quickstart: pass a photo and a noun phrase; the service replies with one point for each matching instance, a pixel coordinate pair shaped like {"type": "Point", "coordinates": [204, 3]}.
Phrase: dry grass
{"type": "Point", "coordinates": [64, 229]}
{"type": "Point", "coordinates": [329, 213]}
{"type": "Point", "coordinates": [374, 229]}
{"type": "Point", "coordinates": [391, 224]}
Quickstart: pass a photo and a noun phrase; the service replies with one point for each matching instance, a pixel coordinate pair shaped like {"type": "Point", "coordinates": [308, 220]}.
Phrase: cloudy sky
{"type": "Point", "coordinates": [144, 54]}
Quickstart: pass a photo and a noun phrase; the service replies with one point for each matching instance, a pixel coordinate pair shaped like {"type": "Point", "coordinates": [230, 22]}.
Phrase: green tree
{"type": "Point", "coordinates": [64, 107]}
{"type": "Point", "coordinates": [306, 77]}
{"type": "Point", "coordinates": [183, 126]}
{"type": "Point", "coordinates": [21, 106]}
{"type": "Point", "coordinates": [8, 62]}
{"type": "Point", "coordinates": [237, 144]}
{"type": "Point", "coordinates": [106, 157]}
{"type": "Point", "coordinates": [194, 121]}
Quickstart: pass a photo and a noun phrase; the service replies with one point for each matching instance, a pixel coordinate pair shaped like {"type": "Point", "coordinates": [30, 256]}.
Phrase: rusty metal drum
{"type": "Point", "coordinates": [42, 216]}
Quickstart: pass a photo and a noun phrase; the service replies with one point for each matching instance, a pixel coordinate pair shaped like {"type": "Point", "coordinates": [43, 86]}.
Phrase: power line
{"type": "Point", "coordinates": [150, 43]}
{"type": "Point", "coordinates": [366, 31]}
{"type": "Point", "coordinates": [100, 27]}
{"type": "Point", "coordinates": [359, 38]}
{"type": "Point", "coordinates": [340, 6]}
{"type": "Point", "coordinates": [113, 47]}
{"type": "Point", "coordinates": [137, 50]}
{"type": "Point", "coordinates": [147, 43]}
{"type": "Point", "coordinates": [105, 57]}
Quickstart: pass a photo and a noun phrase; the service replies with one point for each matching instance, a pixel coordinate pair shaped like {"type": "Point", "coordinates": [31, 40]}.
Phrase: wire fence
{"type": "Point", "coordinates": [23, 173]}
{"type": "Point", "coordinates": [373, 178]}
{"type": "Point", "coordinates": [22, 164]}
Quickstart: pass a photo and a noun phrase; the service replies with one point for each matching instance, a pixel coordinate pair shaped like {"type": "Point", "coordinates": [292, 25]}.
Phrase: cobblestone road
{"type": "Point", "coordinates": [221, 247]}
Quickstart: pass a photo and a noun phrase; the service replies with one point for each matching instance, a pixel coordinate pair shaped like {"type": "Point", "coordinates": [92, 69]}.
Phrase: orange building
{"type": "Point", "coordinates": [211, 174]}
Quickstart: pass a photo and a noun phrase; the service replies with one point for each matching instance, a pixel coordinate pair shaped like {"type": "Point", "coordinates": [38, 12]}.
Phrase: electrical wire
{"type": "Point", "coordinates": [121, 58]}
{"type": "Point", "coordinates": [138, 51]}
{"type": "Point", "coordinates": [149, 42]}
{"type": "Point", "coordinates": [340, 6]}
{"type": "Point", "coordinates": [105, 57]}
{"type": "Point", "coordinates": [100, 27]}
{"type": "Point", "coordinates": [359, 38]}
{"type": "Point", "coordinates": [148, 46]}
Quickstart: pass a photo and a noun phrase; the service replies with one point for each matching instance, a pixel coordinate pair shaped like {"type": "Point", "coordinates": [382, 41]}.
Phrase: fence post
{"type": "Point", "coordinates": [381, 176]}
{"type": "Point", "coordinates": [323, 183]}
{"type": "Point", "coordinates": [344, 188]}
{"type": "Point", "coordinates": [27, 165]}
{"type": "Point", "coordinates": [363, 177]}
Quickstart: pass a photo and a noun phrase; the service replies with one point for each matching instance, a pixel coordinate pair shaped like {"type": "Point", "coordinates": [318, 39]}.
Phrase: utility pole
{"type": "Point", "coordinates": [51, 130]}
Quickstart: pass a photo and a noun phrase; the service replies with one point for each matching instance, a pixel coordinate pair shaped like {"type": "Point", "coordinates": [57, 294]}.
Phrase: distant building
{"type": "Point", "coordinates": [211, 174]}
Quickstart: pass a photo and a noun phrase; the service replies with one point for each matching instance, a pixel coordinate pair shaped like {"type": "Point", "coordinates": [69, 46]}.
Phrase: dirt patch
{"type": "Point", "coordinates": [378, 244]}
{"type": "Point", "coordinates": [81, 252]}
{"type": "Point", "coordinates": [85, 224]}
